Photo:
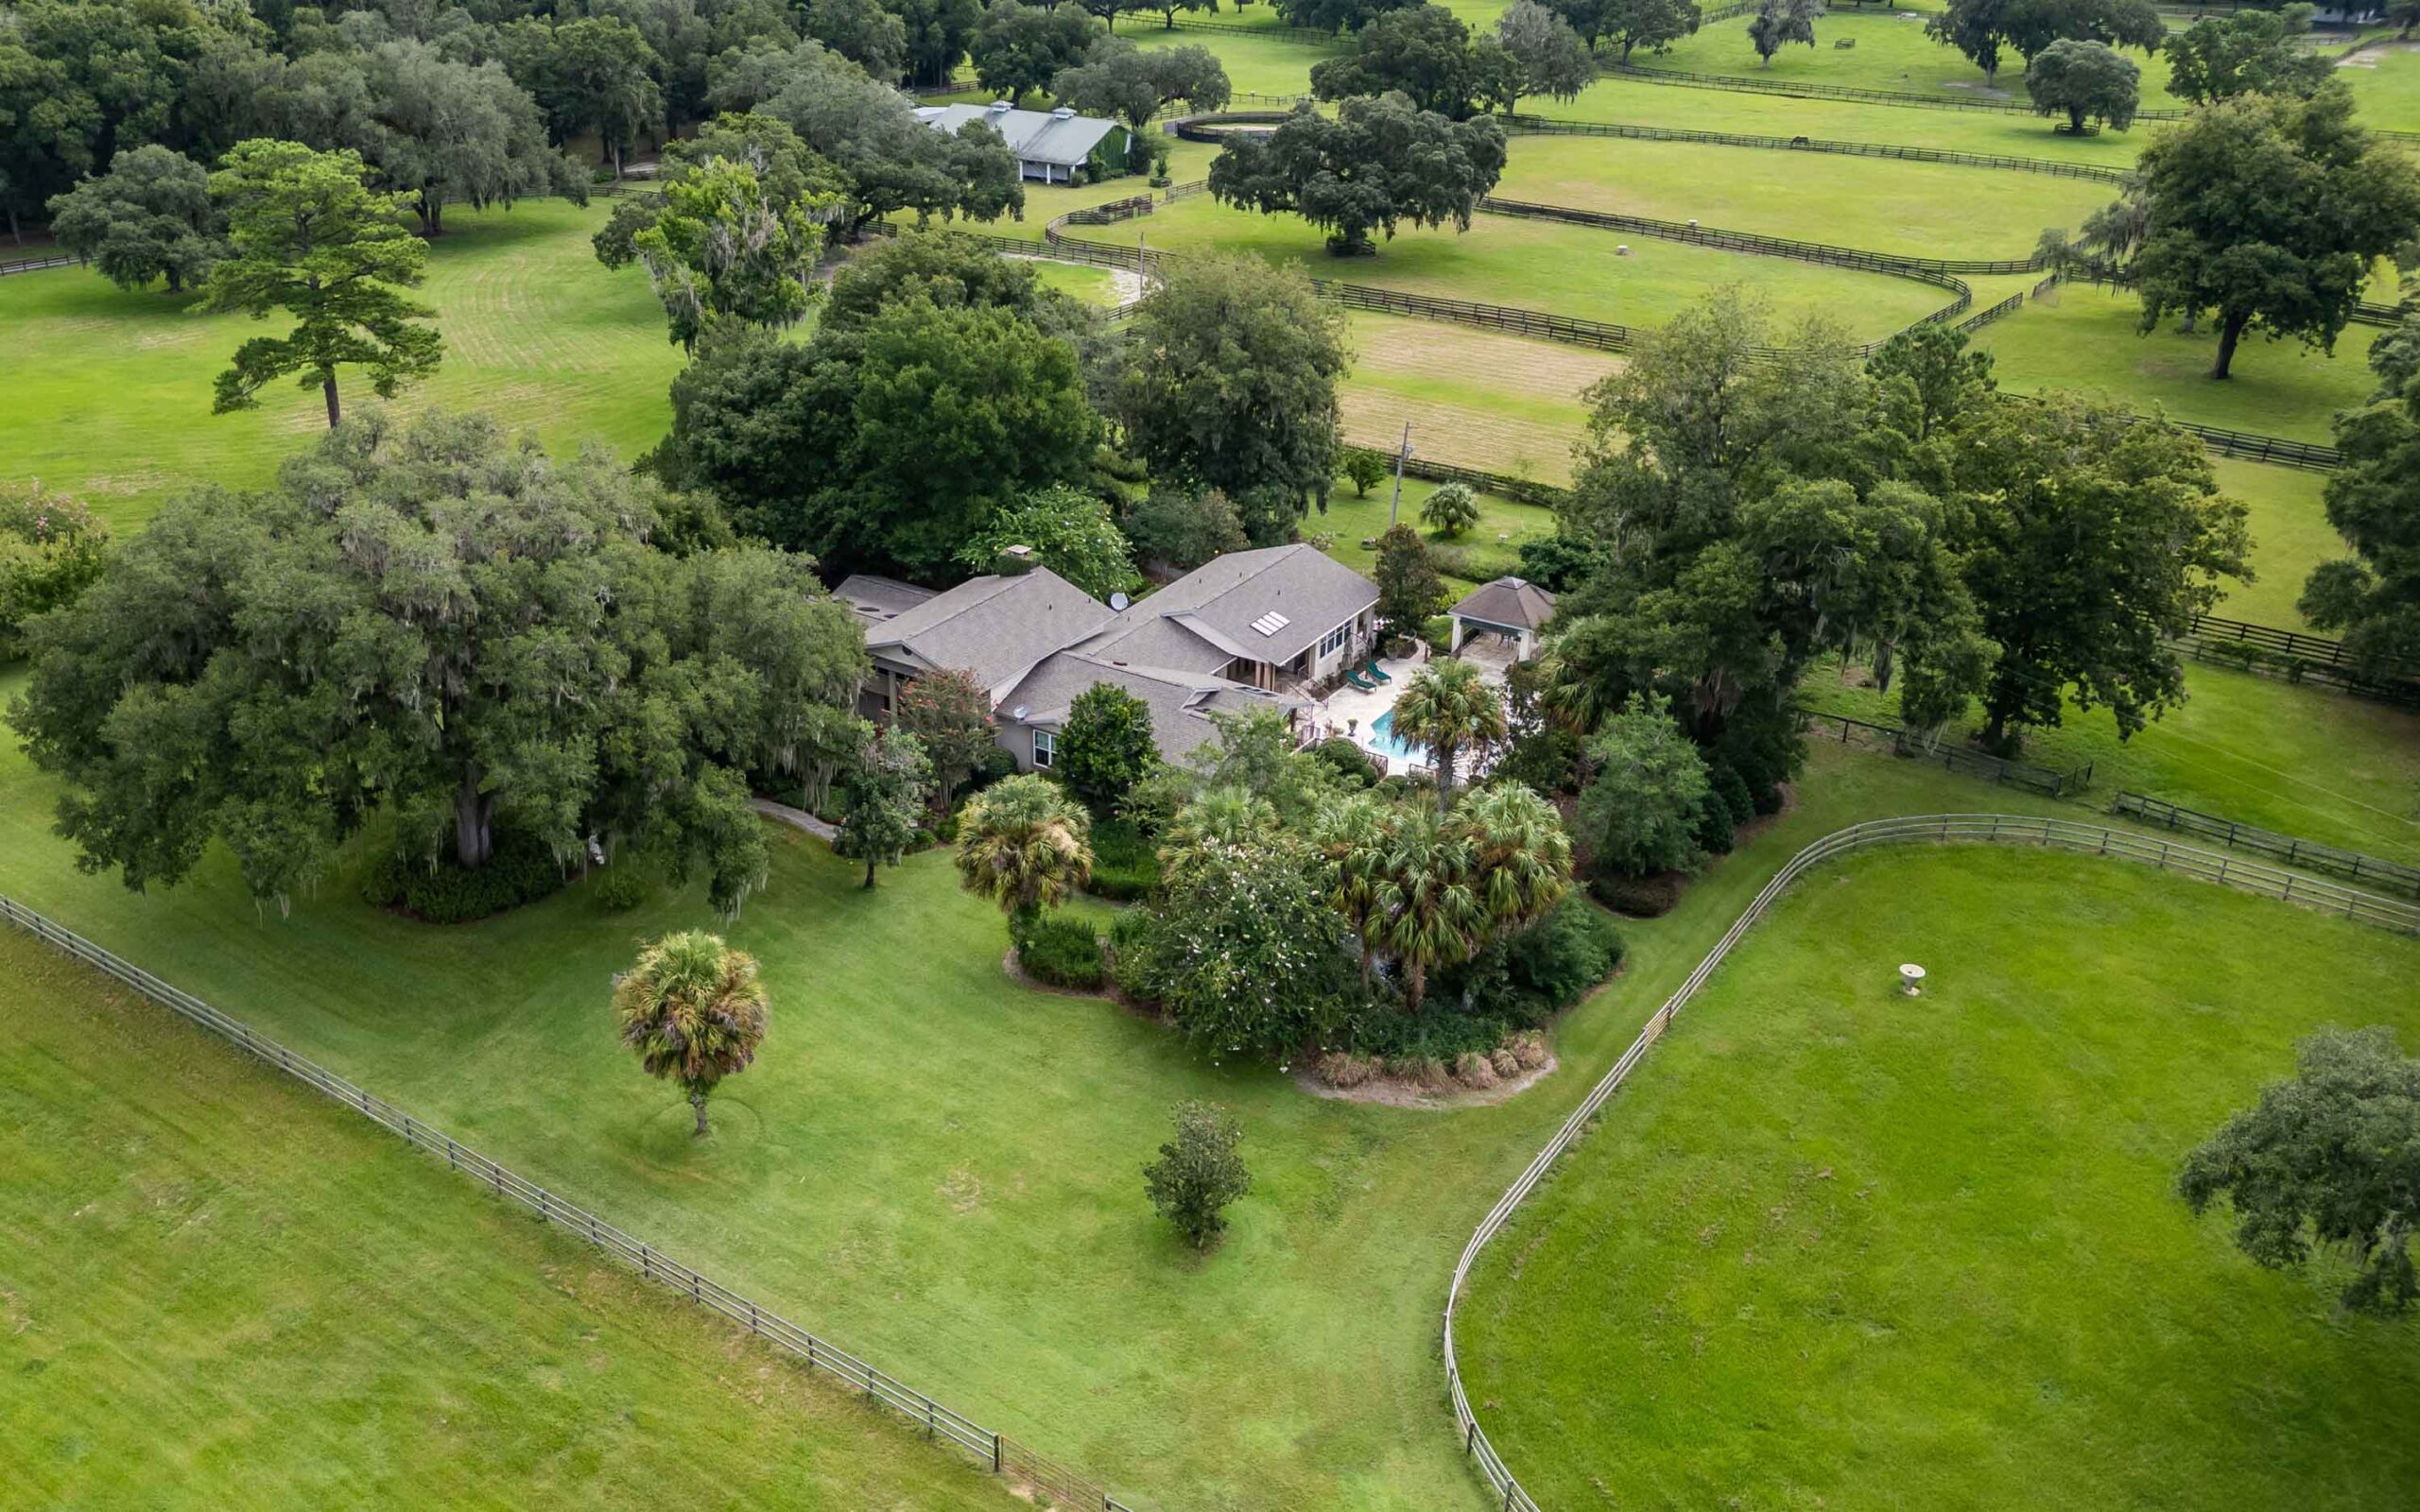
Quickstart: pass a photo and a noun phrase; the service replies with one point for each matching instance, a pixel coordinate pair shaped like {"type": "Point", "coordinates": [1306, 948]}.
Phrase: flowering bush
{"type": "Point", "coordinates": [51, 549]}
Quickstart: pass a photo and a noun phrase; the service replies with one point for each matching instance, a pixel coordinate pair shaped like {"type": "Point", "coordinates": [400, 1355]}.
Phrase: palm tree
{"type": "Point", "coordinates": [1428, 912]}
{"type": "Point", "coordinates": [1350, 833]}
{"type": "Point", "coordinates": [1450, 708]}
{"type": "Point", "coordinates": [693, 1010]}
{"type": "Point", "coordinates": [1223, 815]}
{"type": "Point", "coordinates": [1024, 842]}
{"type": "Point", "coordinates": [1521, 852]}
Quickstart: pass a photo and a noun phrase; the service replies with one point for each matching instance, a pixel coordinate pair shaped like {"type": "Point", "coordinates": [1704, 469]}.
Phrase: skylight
{"type": "Point", "coordinates": [1270, 623]}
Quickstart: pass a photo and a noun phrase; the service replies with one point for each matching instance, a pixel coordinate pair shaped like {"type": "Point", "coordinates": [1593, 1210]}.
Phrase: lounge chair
{"type": "Point", "coordinates": [1355, 679]}
{"type": "Point", "coordinates": [1370, 669]}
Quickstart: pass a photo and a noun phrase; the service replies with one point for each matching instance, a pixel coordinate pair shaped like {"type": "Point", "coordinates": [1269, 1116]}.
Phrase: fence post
{"type": "Point", "coordinates": [996, 1454]}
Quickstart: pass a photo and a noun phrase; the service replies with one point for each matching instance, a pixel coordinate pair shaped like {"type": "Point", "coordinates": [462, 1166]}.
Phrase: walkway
{"type": "Point", "coordinates": [798, 818]}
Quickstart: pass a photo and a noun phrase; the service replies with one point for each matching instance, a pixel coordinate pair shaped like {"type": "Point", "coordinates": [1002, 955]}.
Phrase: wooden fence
{"type": "Point", "coordinates": [2310, 455]}
{"type": "Point", "coordinates": [1551, 125]}
{"type": "Point", "coordinates": [2309, 855]}
{"type": "Point", "coordinates": [2001, 828]}
{"type": "Point", "coordinates": [987, 1447]}
{"type": "Point", "coordinates": [2046, 780]}
{"type": "Point", "coordinates": [1749, 84]}
{"type": "Point", "coordinates": [1931, 270]}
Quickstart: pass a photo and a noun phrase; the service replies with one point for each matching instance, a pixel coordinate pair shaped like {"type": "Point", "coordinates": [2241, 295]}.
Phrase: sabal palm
{"type": "Point", "coordinates": [1521, 852]}
{"type": "Point", "coordinates": [1350, 833]}
{"type": "Point", "coordinates": [1223, 815]}
{"type": "Point", "coordinates": [1453, 711]}
{"type": "Point", "coordinates": [1429, 911]}
{"type": "Point", "coordinates": [1024, 843]}
{"type": "Point", "coordinates": [694, 1010]}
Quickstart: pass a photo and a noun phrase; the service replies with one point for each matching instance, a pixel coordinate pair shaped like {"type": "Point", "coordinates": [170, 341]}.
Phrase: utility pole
{"type": "Point", "coordinates": [1396, 503]}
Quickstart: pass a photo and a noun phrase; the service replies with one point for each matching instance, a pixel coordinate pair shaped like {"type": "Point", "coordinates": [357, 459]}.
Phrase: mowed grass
{"type": "Point", "coordinates": [2321, 765]}
{"type": "Point", "coordinates": [1833, 1247]}
{"type": "Point", "coordinates": [2085, 338]}
{"type": "Point", "coordinates": [941, 1169]}
{"type": "Point", "coordinates": [1541, 264]}
{"type": "Point", "coordinates": [1472, 397]}
{"type": "Point", "coordinates": [1489, 549]}
{"type": "Point", "coordinates": [112, 391]}
{"type": "Point", "coordinates": [221, 1290]}
{"type": "Point", "coordinates": [1890, 52]}
{"type": "Point", "coordinates": [2290, 536]}
{"type": "Point", "coordinates": [2386, 83]}
{"type": "Point", "coordinates": [1917, 209]}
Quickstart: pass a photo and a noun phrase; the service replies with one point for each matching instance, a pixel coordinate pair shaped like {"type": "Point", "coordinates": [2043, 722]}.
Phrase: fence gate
{"type": "Point", "coordinates": [1059, 1485]}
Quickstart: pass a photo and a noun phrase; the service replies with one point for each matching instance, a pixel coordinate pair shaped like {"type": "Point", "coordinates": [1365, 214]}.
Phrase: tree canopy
{"type": "Point", "coordinates": [592, 74]}
{"type": "Point", "coordinates": [1547, 56]}
{"type": "Point", "coordinates": [1425, 54]}
{"type": "Point", "coordinates": [1779, 23]}
{"type": "Point", "coordinates": [311, 238]}
{"type": "Point", "coordinates": [2086, 82]}
{"type": "Point", "coordinates": [2330, 1157]}
{"type": "Point", "coordinates": [2372, 598]}
{"type": "Point", "coordinates": [149, 217]}
{"type": "Point", "coordinates": [439, 628]}
{"type": "Point", "coordinates": [1653, 25]}
{"type": "Point", "coordinates": [1119, 79]}
{"type": "Point", "coordinates": [1984, 29]}
{"type": "Point", "coordinates": [1231, 377]}
{"type": "Point", "coordinates": [2268, 211]}
{"type": "Point", "coordinates": [1371, 166]}
{"type": "Point", "coordinates": [1018, 48]}
{"type": "Point", "coordinates": [2246, 52]}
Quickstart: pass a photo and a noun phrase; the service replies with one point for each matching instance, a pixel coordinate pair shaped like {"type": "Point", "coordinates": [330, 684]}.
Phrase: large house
{"type": "Point", "coordinates": [1049, 144]}
{"type": "Point", "coordinates": [1254, 629]}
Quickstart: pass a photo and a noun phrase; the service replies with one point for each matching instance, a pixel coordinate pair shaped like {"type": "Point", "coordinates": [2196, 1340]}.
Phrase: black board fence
{"type": "Point", "coordinates": [2309, 855]}
{"type": "Point", "coordinates": [987, 1447]}
{"type": "Point", "coordinates": [1551, 126]}
{"type": "Point", "coordinates": [2296, 658]}
{"type": "Point", "coordinates": [1749, 84]}
{"type": "Point", "coordinates": [1867, 734]}
{"type": "Point", "coordinates": [1934, 270]}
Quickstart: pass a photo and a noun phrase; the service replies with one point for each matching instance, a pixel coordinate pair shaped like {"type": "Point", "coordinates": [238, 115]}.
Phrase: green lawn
{"type": "Point", "coordinates": [1540, 265]}
{"type": "Point", "coordinates": [2323, 766]}
{"type": "Point", "coordinates": [1924, 209]}
{"type": "Point", "coordinates": [1890, 52]}
{"type": "Point", "coordinates": [2290, 536]}
{"type": "Point", "coordinates": [112, 400]}
{"type": "Point", "coordinates": [1830, 1247]}
{"type": "Point", "coordinates": [1260, 65]}
{"type": "Point", "coordinates": [940, 1168]}
{"type": "Point", "coordinates": [1094, 285]}
{"type": "Point", "coordinates": [221, 1290]}
{"type": "Point", "coordinates": [2087, 338]}
{"type": "Point", "coordinates": [1489, 549]}
{"type": "Point", "coordinates": [2386, 81]}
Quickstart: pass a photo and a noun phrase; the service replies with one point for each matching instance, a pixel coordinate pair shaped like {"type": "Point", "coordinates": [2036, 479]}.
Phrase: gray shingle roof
{"type": "Point", "coordinates": [1034, 136]}
{"type": "Point", "coordinates": [876, 599]}
{"type": "Point", "coordinates": [1181, 702]}
{"type": "Point", "coordinates": [1224, 603]}
{"type": "Point", "coordinates": [1511, 601]}
{"type": "Point", "coordinates": [995, 628]}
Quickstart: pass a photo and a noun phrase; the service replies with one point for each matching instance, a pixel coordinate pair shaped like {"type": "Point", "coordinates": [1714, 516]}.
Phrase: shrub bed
{"type": "Point", "coordinates": [1061, 951]}
{"type": "Point", "coordinates": [520, 870]}
{"type": "Point", "coordinates": [1126, 863]}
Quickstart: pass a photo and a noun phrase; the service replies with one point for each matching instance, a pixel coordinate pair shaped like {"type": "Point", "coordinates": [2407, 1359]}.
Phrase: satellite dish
{"type": "Point", "coordinates": [1118, 602]}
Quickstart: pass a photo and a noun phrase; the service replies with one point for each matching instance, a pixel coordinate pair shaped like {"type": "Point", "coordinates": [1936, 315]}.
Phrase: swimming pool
{"type": "Point", "coordinates": [1384, 740]}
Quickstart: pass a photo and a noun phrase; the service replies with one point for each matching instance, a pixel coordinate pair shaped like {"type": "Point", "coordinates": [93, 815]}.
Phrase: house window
{"type": "Point", "coordinates": [1044, 747]}
{"type": "Point", "coordinates": [1335, 639]}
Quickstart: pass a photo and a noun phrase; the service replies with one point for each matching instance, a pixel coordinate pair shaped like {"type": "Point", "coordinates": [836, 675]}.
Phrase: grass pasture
{"type": "Point", "coordinates": [2290, 536]}
{"type": "Point", "coordinates": [1539, 264]}
{"type": "Point", "coordinates": [221, 1290]}
{"type": "Point", "coordinates": [114, 402]}
{"type": "Point", "coordinates": [1830, 1247]}
{"type": "Point", "coordinates": [2091, 338]}
{"type": "Point", "coordinates": [1522, 421]}
{"type": "Point", "coordinates": [2386, 83]}
{"type": "Point", "coordinates": [1874, 204]}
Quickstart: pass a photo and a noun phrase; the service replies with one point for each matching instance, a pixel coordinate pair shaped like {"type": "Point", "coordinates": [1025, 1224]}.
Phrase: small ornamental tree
{"type": "Point", "coordinates": [2330, 1157]}
{"type": "Point", "coordinates": [1023, 845]}
{"type": "Point", "coordinates": [2088, 82]}
{"type": "Point", "coordinates": [1455, 713]}
{"type": "Point", "coordinates": [1364, 468]}
{"type": "Point", "coordinates": [1106, 747]}
{"type": "Point", "coordinates": [312, 239]}
{"type": "Point", "coordinates": [1409, 589]}
{"type": "Point", "coordinates": [1239, 951]}
{"type": "Point", "coordinates": [949, 712]}
{"type": "Point", "coordinates": [693, 1011]}
{"type": "Point", "coordinates": [1198, 1172]}
{"type": "Point", "coordinates": [1640, 813]}
{"type": "Point", "coordinates": [148, 217]}
{"type": "Point", "coordinates": [886, 793]}
{"type": "Point", "coordinates": [1452, 509]}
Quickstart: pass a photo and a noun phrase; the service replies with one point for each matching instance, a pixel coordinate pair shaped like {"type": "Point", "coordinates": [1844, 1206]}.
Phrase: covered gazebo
{"type": "Point", "coordinates": [1510, 611]}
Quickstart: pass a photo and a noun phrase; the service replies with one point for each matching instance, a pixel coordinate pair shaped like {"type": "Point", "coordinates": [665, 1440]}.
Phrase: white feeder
{"type": "Point", "coordinates": [1912, 979]}
{"type": "Point", "coordinates": [1622, 251]}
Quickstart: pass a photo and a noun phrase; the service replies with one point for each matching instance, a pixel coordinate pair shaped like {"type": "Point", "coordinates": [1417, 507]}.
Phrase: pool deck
{"type": "Point", "coordinates": [1354, 714]}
